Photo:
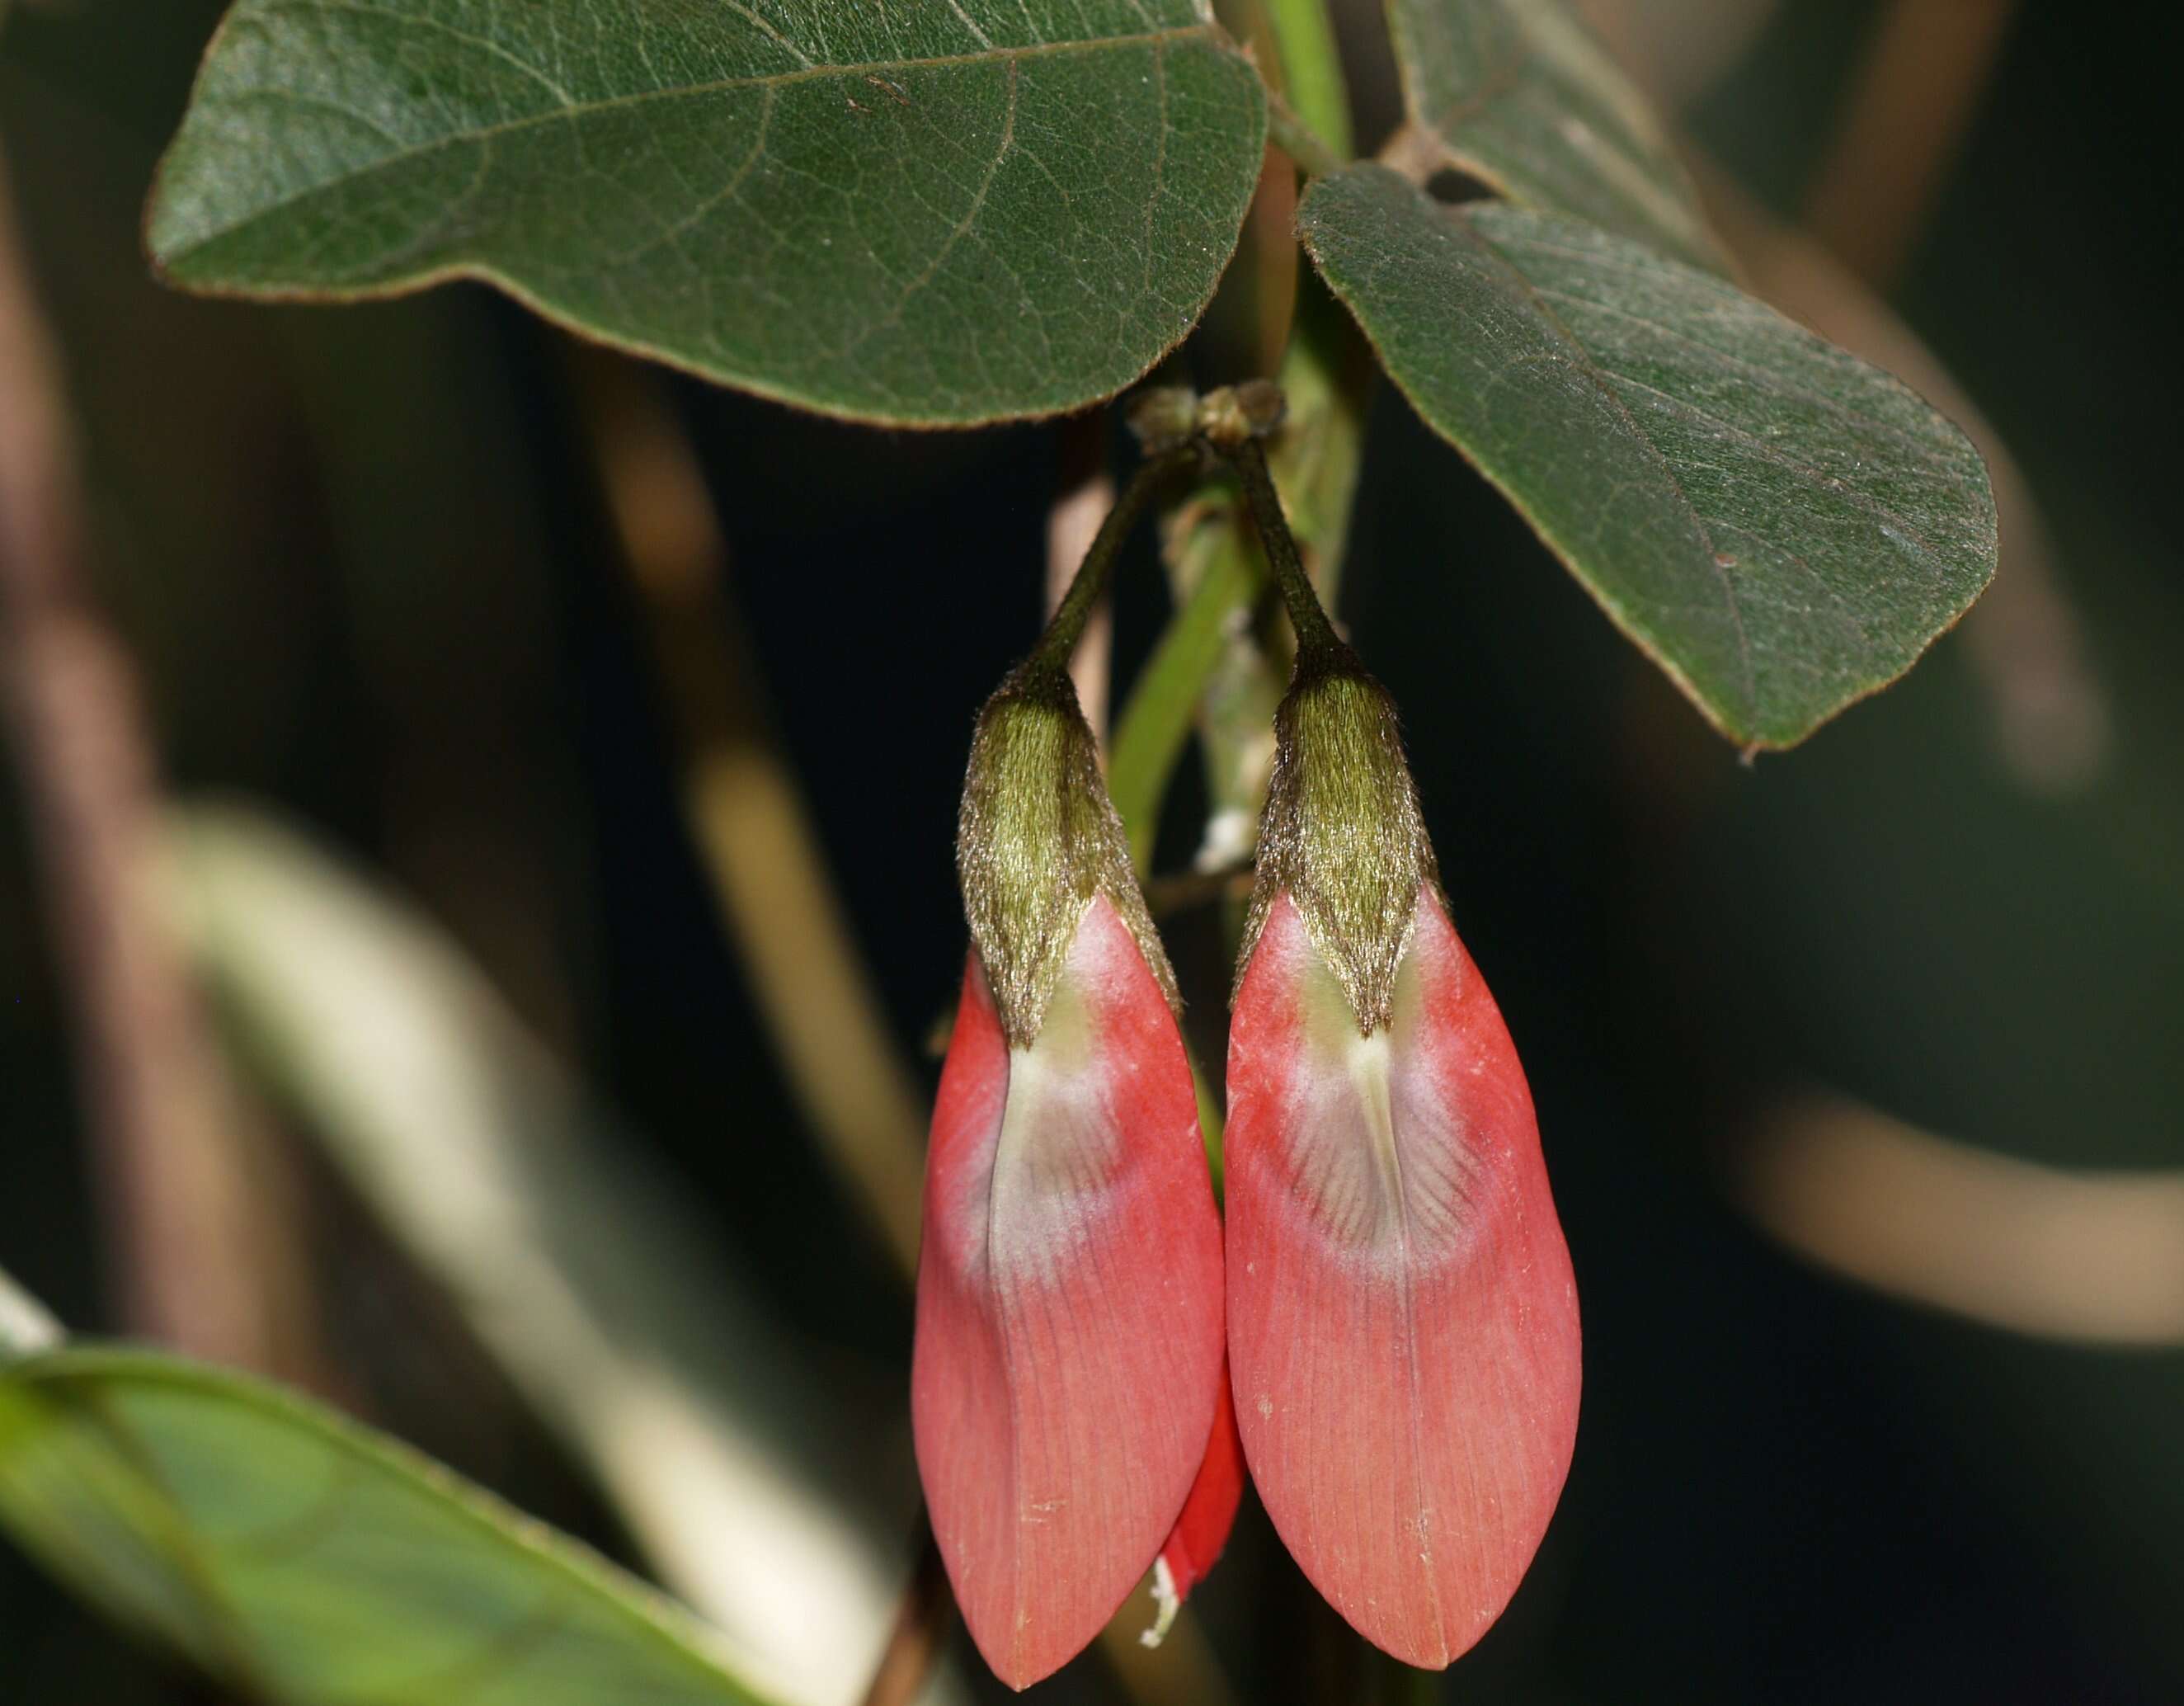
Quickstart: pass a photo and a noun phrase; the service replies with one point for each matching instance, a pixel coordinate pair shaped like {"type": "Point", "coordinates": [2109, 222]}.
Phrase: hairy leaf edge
{"type": "Point", "coordinates": [164, 268]}
{"type": "Point", "coordinates": [652, 1614]}
{"type": "Point", "coordinates": [1749, 740]}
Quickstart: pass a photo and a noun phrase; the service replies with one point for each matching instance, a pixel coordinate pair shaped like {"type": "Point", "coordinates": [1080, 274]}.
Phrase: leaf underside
{"type": "Point", "coordinates": [309, 1561]}
{"type": "Point", "coordinates": [1781, 527]}
{"type": "Point", "coordinates": [934, 212]}
{"type": "Point", "coordinates": [1520, 93]}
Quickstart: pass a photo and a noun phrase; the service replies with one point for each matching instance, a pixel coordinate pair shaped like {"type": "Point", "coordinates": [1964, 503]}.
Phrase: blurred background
{"type": "Point", "coordinates": [557, 764]}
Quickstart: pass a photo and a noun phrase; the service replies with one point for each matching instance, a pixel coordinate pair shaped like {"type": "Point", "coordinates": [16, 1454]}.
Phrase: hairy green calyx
{"type": "Point", "coordinates": [1341, 831]}
{"type": "Point", "coordinates": [1036, 838]}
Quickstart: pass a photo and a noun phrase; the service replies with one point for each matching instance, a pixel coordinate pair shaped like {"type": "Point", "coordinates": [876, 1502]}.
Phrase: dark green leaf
{"type": "Point", "coordinates": [935, 211]}
{"type": "Point", "coordinates": [311, 1562]}
{"type": "Point", "coordinates": [1518, 92]}
{"type": "Point", "coordinates": [1781, 527]}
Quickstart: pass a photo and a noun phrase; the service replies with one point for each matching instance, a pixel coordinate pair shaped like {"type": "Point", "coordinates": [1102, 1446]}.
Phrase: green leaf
{"type": "Point", "coordinates": [1518, 93]}
{"type": "Point", "coordinates": [308, 1560]}
{"type": "Point", "coordinates": [930, 212]}
{"type": "Point", "coordinates": [586, 1275]}
{"type": "Point", "coordinates": [1779, 525]}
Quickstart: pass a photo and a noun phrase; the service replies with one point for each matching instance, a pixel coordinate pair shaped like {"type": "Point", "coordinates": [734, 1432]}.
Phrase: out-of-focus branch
{"type": "Point", "coordinates": [768, 868]}
{"type": "Point", "coordinates": [1910, 106]}
{"type": "Point", "coordinates": [921, 1627]}
{"type": "Point", "coordinates": [198, 1263]}
{"type": "Point", "coordinates": [1086, 492]}
{"type": "Point", "coordinates": [1677, 48]}
{"type": "Point", "coordinates": [1310, 62]}
{"type": "Point", "coordinates": [2039, 1250]}
{"type": "Point", "coordinates": [584, 1275]}
{"type": "Point", "coordinates": [2052, 717]}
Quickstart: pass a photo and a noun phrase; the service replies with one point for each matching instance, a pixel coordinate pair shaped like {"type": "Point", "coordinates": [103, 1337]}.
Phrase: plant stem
{"type": "Point", "coordinates": [1214, 570]}
{"type": "Point", "coordinates": [747, 813]}
{"type": "Point", "coordinates": [1317, 643]}
{"type": "Point", "coordinates": [1311, 77]}
{"type": "Point", "coordinates": [200, 1262]}
{"type": "Point", "coordinates": [921, 1626]}
{"type": "Point", "coordinates": [1085, 491]}
{"type": "Point", "coordinates": [1157, 720]}
{"type": "Point", "coordinates": [1312, 153]}
{"type": "Point", "coordinates": [1049, 658]}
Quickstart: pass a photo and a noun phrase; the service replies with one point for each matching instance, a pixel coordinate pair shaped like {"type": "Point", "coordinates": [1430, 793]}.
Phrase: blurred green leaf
{"type": "Point", "coordinates": [1779, 525]}
{"type": "Point", "coordinates": [308, 1560]}
{"type": "Point", "coordinates": [586, 1276]}
{"type": "Point", "coordinates": [923, 214]}
{"type": "Point", "coordinates": [1518, 92]}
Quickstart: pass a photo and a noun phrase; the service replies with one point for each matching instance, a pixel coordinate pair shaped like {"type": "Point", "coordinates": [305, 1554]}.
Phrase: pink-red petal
{"type": "Point", "coordinates": [1402, 1321]}
{"type": "Point", "coordinates": [1069, 1304]}
{"type": "Point", "coordinates": [1200, 1534]}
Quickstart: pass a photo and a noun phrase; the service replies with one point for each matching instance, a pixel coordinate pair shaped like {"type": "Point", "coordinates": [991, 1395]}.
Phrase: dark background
{"type": "Point", "coordinates": [369, 580]}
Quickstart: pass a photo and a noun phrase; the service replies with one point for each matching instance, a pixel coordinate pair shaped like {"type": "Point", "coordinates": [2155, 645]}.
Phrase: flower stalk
{"type": "Point", "coordinates": [1067, 1372]}
{"type": "Point", "coordinates": [1402, 1323]}
{"type": "Point", "coordinates": [1037, 834]}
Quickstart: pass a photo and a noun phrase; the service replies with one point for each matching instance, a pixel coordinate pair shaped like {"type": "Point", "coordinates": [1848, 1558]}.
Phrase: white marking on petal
{"type": "Point", "coordinates": [1167, 1599]}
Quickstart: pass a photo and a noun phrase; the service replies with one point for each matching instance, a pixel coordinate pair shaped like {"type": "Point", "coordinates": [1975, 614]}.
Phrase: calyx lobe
{"type": "Point", "coordinates": [1341, 832]}
{"type": "Point", "coordinates": [1037, 837]}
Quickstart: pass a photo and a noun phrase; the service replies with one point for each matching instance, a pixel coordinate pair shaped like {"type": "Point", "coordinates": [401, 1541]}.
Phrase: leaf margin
{"type": "Point", "coordinates": [1423, 137]}
{"type": "Point", "coordinates": [1749, 741]}
{"type": "Point", "coordinates": [652, 1616]}
{"type": "Point", "coordinates": [1209, 30]}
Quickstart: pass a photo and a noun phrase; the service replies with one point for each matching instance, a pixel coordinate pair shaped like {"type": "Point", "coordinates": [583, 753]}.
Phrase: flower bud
{"type": "Point", "coordinates": [1068, 1364]}
{"type": "Point", "coordinates": [1341, 833]}
{"type": "Point", "coordinates": [1036, 838]}
{"type": "Point", "coordinates": [1402, 1321]}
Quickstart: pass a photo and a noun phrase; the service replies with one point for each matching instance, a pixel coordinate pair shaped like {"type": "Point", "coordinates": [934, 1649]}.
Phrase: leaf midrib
{"type": "Point", "coordinates": [575, 112]}
{"type": "Point", "coordinates": [72, 1377]}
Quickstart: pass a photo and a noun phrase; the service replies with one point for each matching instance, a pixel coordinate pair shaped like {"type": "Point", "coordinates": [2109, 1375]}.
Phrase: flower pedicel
{"type": "Point", "coordinates": [1402, 1321]}
{"type": "Point", "coordinates": [1067, 1369]}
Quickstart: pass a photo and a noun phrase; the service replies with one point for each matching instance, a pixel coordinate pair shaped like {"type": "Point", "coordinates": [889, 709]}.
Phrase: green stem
{"type": "Point", "coordinates": [1312, 75]}
{"type": "Point", "coordinates": [1210, 1127]}
{"type": "Point", "coordinates": [1317, 643]}
{"type": "Point", "coordinates": [1325, 375]}
{"type": "Point", "coordinates": [1313, 153]}
{"type": "Point", "coordinates": [1156, 721]}
{"type": "Point", "coordinates": [1049, 658]}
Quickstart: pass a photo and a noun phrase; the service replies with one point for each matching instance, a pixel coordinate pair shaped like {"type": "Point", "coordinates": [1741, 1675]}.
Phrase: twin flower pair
{"type": "Point", "coordinates": [1385, 1329]}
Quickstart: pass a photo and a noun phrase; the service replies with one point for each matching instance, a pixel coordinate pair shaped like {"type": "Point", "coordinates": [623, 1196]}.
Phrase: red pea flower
{"type": "Point", "coordinates": [1201, 1531]}
{"type": "Point", "coordinates": [1067, 1366]}
{"type": "Point", "coordinates": [1402, 1321]}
